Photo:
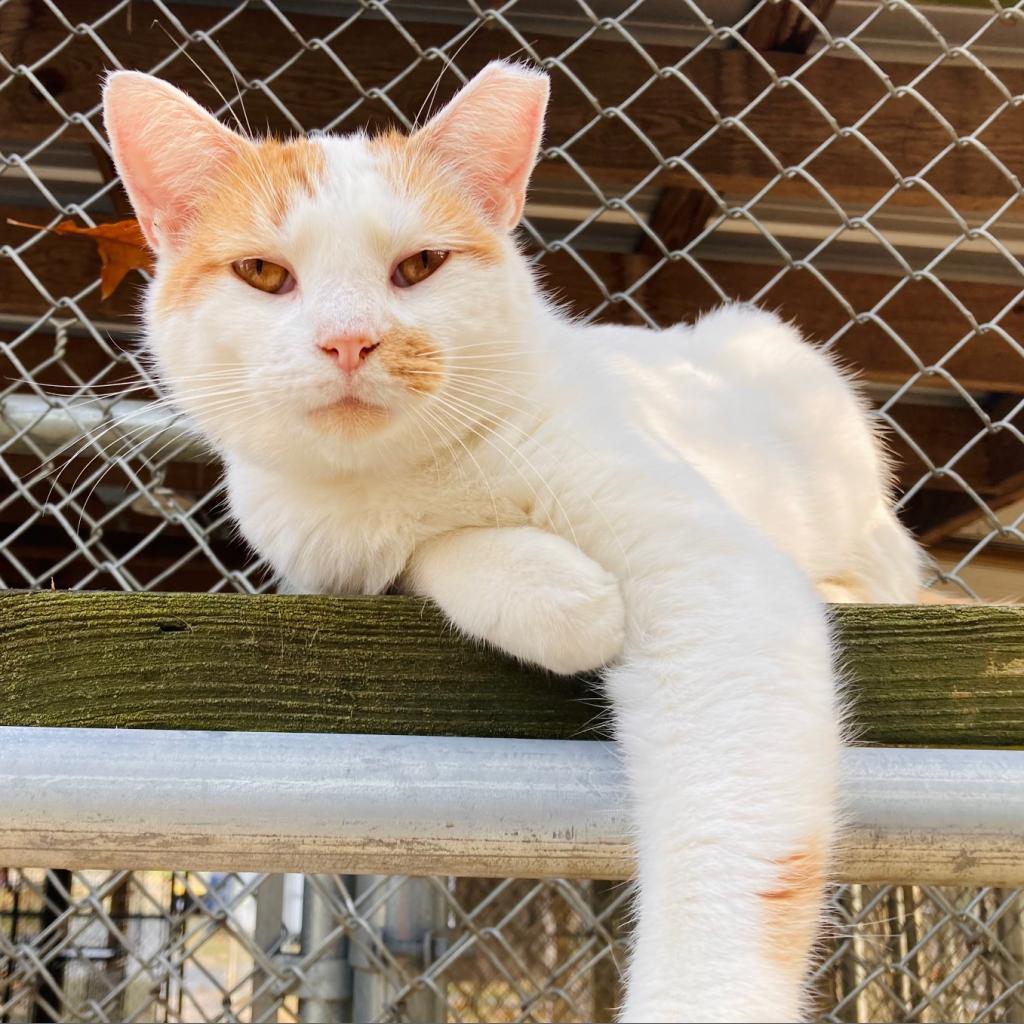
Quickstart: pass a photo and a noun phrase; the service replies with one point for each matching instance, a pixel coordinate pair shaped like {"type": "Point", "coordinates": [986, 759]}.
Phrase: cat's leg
{"type": "Point", "coordinates": [528, 592]}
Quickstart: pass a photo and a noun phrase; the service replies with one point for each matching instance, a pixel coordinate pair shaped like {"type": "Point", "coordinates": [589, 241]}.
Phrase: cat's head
{"type": "Point", "coordinates": [322, 303]}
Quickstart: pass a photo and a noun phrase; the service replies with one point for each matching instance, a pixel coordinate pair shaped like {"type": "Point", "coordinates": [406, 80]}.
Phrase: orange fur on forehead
{"type": "Point", "coordinates": [415, 172]}
{"type": "Point", "coordinates": [261, 183]}
{"type": "Point", "coordinates": [255, 188]}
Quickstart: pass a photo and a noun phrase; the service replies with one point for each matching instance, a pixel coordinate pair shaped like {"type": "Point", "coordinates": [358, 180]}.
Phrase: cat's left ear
{"type": "Point", "coordinates": [489, 135]}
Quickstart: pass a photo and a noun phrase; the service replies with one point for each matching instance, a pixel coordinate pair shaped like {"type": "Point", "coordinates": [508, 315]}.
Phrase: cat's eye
{"type": "Point", "coordinates": [264, 275]}
{"type": "Point", "coordinates": [418, 267]}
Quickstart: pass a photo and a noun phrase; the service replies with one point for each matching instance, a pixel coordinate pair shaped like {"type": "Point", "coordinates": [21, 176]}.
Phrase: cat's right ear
{"type": "Point", "coordinates": [165, 147]}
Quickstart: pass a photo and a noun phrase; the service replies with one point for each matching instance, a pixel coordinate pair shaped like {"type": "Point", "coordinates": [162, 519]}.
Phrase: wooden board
{"type": "Point", "coordinates": [934, 676]}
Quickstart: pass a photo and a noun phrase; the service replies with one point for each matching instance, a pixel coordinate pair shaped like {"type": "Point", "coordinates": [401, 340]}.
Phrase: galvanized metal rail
{"type": "Point", "coordinates": [448, 805]}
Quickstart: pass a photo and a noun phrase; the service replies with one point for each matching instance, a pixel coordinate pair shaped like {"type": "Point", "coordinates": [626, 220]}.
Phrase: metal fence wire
{"type": "Point", "coordinates": [855, 165]}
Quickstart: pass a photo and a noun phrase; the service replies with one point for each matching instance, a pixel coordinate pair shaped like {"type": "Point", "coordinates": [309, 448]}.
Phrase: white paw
{"type": "Point", "coordinates": [572, 619]}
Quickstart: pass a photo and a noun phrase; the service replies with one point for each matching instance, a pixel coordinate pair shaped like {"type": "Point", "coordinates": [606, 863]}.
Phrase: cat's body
{"type": "Point", "coordinates": [762, 417]}
{"type": "Point", "coordinates": [665, 503]}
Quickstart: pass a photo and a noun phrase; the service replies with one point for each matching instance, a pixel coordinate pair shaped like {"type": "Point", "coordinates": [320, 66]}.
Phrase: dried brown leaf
{"type": "Point", "coordinates": [121, 245]}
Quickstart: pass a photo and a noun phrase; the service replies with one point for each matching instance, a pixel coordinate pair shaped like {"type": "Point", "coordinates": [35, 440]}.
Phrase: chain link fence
{"type": "Point", "coordinates": [160, 946]}
{"type": "Point", "coordinates": [855, 165]}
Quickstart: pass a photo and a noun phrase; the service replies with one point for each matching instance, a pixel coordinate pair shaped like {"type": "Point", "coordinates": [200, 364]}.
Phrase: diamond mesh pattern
{"type": "Point", "coordinates": [159, 946]}
{"type": "Point", "coordinates": [867, 187]}
{"type": "Point", "coordinates": [860, 174]}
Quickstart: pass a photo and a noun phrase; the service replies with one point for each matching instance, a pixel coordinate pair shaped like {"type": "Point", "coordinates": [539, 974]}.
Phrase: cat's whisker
{"type": "Point", "coordinates": [120, 424]}
{"type": "Point", "coordinates": [495, 350]}
{"type": "Point", "coordinates": [447, 435]}
{"type": "Point", "coordinates": [184, 432]}
{"type": "Point", "coordinates": [146, 409]}
{"type": "Point", "coordinates": [472, 424]}
{"type": "Point", "coordinates": [158, 401]}
{"type": "Point", "coordinates": [73, 403]}
{"type": "Point", "coordinates": [449, 62]}
{"type": "Point", "coordinates": [136, 447]}
{"type": "Point", "coordinates": [182, 49]}
{"type": "Point", "coordinates": [509, 371]}
{"type": "Point", "coordinates": [517, 346]}
{"type": "Point", "coordinates": [107, 449]}
{"type": "Point", "coordinates": [483, 386]}
{"type": "Point", "coordinates": [426, 437]}
{"type": "Point", "coordinates": [104, 469]}
{"type": "Point", "coordinates": [613, 533]}
{"type": "Point", "coordinates": [443, 432]}
{"type": "Point", "coordinates": [483, 476]}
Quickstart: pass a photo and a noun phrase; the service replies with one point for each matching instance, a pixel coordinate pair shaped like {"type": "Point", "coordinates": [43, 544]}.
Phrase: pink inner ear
{"type": "Point", "coordinates": [489, 135]}
{"type": "Point", "coordinates": [166, 147]}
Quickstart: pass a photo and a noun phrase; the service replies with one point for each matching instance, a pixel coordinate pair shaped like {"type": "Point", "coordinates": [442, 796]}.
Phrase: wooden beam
{"type": "Point", "coordinates": [679, 216]}
{"type": "Point", "coordinates": [918, 314]}
{"type": "Point", "coordinates": [668, 114]}
{"type": "Point", "coordinates": [933, 675]}
{"type": "Point", "coordinates": [785, 26]}
{"type": "Point", "coordinates": [941, 431]}
{"type": "Point", "coordinates": [994, 468]}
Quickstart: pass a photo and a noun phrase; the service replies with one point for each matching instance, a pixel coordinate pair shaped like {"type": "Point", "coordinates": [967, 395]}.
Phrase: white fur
{"type": "Point", "coordinates": [661, 503]}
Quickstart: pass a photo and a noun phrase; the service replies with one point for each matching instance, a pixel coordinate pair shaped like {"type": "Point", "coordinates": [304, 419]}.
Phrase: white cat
{"type": "Point", "coordinates": [351, 323]}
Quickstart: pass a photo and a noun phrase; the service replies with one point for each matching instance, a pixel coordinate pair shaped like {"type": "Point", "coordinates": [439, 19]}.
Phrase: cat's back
{"type": "Point", "coordinates": [738, 381]}
{"type": "Point", "coordinates": [765, 417]}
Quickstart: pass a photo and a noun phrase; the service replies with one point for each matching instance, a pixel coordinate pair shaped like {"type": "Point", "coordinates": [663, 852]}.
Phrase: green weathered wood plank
{"type": "Point", "coordinates": [929, 675]}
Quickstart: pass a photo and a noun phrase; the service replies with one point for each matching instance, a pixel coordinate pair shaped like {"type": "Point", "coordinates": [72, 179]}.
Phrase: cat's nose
{"type": "Point", "coordinates": [348, 350]}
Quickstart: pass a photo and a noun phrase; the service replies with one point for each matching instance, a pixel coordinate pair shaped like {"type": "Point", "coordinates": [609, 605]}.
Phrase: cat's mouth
{"type": "Point", "coordinates": [351, 413]}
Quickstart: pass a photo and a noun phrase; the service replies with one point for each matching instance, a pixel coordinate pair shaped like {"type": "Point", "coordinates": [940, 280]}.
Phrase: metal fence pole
{"type": "Point", "coordinates": [267, 936]}
{"type": "Point", "coordinates": [407, 923]}
{"type": "Point", "coordinates": [327, 989]}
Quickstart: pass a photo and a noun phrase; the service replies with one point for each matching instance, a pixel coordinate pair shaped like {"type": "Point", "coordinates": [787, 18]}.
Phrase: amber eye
{"type": "Point", "coordinates": [264, 275]}
{"type": "Point", "coordinates": [414, 269]}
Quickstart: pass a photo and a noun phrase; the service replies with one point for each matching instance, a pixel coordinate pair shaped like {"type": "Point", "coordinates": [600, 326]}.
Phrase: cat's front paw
{"type": "Point", "coordinates": [529, 593]}
{"type": "Point", "coordinates": [570, 622]}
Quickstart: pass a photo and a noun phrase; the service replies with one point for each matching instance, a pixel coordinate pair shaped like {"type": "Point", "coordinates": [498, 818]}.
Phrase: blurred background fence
{"type": "Point", "coordinates": [855, 165]}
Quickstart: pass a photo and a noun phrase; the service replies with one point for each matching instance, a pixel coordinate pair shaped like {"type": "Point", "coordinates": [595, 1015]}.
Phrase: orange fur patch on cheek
{"type": "Point", "coordinates": [792, 909]}
{"type": "Point", "coordinates": [411, 358]}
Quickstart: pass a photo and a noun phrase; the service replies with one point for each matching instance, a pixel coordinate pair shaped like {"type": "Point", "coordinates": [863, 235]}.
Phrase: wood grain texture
{"type": "Point", "coordinates": [935, 675]}
{"type": "Point", "coordinates": [267, 663]}
{"type": "Point", "coordinates": [786, 26]}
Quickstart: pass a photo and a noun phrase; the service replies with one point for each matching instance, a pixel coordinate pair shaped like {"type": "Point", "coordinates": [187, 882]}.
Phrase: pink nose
{"type": "Point", "coordinates": [348, 350]}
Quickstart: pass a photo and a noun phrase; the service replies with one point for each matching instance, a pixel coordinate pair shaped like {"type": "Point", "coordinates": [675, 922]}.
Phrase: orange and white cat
{"type": "Point", "coordinates": [351, 323]}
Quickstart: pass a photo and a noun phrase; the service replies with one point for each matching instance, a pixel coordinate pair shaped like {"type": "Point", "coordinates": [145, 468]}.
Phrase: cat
{"type": "Point", "coordinates": [351, 323]}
